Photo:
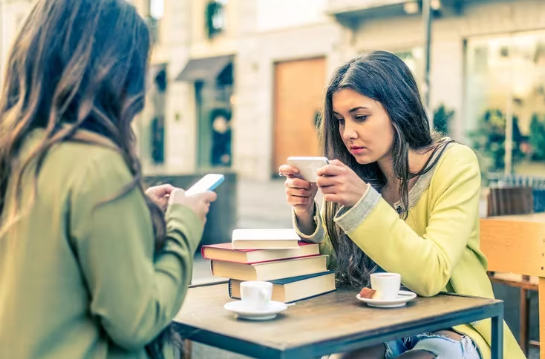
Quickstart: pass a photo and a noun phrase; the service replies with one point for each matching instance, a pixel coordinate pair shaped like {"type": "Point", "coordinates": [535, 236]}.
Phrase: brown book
{"type": "Point", "coordinates": [226, 252]}
{"type": "Point", "coordinates": [269, 270]}
{"type": "Point", "coordinates": [294, 288]}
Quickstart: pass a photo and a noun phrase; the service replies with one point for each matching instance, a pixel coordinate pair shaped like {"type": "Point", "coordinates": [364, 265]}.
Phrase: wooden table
{"type": "Point", "coordinates": [331, 323]}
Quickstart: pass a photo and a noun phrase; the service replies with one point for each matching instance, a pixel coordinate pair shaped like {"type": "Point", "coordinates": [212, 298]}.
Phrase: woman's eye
{"type": "Point", "coordinates": [361, 118]}
{"type": "Point", "coordinates": [341, 121]}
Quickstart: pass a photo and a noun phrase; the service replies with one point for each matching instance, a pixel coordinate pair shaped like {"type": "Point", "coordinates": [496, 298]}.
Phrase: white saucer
{"type": "Point", "coordinates": [242, 310]}
{"type": "Point", "coordinates": [402, 298]}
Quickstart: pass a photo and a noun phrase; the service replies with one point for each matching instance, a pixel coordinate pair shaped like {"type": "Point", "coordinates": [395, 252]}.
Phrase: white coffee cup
{"type": "Point", "coordinates": [256, 294]}
{"type": "Point", "coordinates": [386, 284]}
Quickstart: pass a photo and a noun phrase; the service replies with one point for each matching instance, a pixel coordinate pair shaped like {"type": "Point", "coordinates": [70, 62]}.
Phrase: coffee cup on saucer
{"type": "Point", "coordinates": [256, 294]}
{"type": "Point", "coordinates": [387, 285]}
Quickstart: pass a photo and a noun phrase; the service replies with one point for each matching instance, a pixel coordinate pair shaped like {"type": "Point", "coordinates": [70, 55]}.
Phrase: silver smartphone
{"type": "Point", "coordinates": [308, 166]}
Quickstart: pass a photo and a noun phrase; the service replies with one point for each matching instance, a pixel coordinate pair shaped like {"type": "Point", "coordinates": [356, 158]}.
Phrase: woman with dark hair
{"type": "Point", "coordinates": [397, 198]}
{"type": "Point", "coordinates": [90, 265]}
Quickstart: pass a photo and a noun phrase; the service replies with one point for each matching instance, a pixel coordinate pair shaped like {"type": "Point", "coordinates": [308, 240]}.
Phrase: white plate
{"type": "Point", "coordinates": [242, 310]}
{"type": "Point", "coordinates": [402, 298]}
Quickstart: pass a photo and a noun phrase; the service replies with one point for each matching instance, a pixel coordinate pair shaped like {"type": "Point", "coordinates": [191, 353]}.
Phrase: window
{"type": "Point", "coordinates": [505, 74]}
{"type": "Point", "coordinates": [215, 17]}
{"type": "Point", "coordinates": [157, 9]}
{"type": "Point", "coordinates": [414, 59]}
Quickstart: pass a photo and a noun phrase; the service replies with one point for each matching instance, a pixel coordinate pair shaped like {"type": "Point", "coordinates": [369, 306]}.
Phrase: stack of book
{"type": "Point", "coordinates": [296, 269]}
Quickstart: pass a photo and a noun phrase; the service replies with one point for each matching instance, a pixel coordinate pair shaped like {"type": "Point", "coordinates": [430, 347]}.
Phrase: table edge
{"type": "Point", "coordinates": [486, 310]}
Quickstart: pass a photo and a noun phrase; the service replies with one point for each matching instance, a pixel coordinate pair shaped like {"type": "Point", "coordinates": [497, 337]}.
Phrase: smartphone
{"type": "Point", "coordinates": [208, 183]}
{"type": "Point", "coordinates": [308, 166]}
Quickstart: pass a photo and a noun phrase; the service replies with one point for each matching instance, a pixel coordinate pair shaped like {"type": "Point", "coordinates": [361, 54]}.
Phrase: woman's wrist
{"type": "Point", "coordinates": [304, 212]}
{"type": "Point", "coordinates": [305, 220]}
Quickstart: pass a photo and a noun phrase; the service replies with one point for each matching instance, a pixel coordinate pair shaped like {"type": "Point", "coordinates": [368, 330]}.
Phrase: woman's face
{"type": "Point", "coordinates": [364, 126]}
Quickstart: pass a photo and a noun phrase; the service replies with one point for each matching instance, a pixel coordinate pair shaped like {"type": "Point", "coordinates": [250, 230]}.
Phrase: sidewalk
{"type": "Point", "coordinates": [263, 205]}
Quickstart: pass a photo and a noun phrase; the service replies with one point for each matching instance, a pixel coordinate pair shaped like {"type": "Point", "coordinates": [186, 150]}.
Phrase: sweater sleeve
{"type": "Point", "coordinates": [319, 233]}
{"type": "Point", "coordinates": [134, 292]}
{"type": "Point", "coordinates": [425, 263]}
{"type": "Point", "coordinates": [319, 236]}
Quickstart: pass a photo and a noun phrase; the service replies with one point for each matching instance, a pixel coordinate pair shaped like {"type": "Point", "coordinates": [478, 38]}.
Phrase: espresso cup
{"type": "Point", "coordinates": [256, 294]}
{"type": "Point", "coordinates": [386, 284]}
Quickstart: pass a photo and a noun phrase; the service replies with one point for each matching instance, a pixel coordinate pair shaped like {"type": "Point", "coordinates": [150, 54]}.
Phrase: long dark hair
{"type": "Point", "coordinates": [75, 65]}
{"type": "Point", "coordinates": [385, 78]}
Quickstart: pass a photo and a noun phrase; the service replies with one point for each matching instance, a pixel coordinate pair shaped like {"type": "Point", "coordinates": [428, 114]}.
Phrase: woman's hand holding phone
{"type": "Point", "coordinates": [299, 193]}
{"type": "Point", "coordinates": [160, 194]}
{"type": "Point", "coordinates": [199, 203]}
{"type": "Point", "coordinates": [340, 184]}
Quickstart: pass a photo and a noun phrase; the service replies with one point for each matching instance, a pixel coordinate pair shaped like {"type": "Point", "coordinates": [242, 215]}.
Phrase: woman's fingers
{"type": "Point", "coordinates": [298, 192]}
{"type": "Point", "coordinates": [297, 183]}
{"type": "Point", "coordinates": [337, 163]}
{"type": "Point", "coordinates": [294, 200]}
{"type": "Point", "coordinates": [287, 170]}
{"type": "Point", "coordinates": [331, 170]}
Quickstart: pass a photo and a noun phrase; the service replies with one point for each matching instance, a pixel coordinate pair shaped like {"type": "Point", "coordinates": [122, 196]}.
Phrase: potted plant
{"type": "Point", "coordinates": [442, 117]}
{"type": "Point", "coordinates": [537, 137]}
{"type": "Point", "coordinates": [489, 140]}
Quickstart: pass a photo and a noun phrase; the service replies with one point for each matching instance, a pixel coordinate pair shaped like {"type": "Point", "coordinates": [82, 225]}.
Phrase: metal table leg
{"type": "Point", "coordinates": [497, 336]}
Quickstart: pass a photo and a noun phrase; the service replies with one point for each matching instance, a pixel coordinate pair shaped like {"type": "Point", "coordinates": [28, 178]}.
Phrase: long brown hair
{"type": "Point", "coordinates": [74, 65]}
{"type": "Point", "coordinates": [385, 78]}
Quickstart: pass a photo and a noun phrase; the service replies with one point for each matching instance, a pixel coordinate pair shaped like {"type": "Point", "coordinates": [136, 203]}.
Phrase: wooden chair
{"type": "Point", "coordinates": [511, 201]}
{"type": "Point", "coordinates": [506, 201]}
{"type": "Point", "coordinates": [518, 247]}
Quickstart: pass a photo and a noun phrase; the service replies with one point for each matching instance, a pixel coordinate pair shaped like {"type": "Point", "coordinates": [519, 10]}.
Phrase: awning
{"type": "Point", "coordinates": [204, 68]}
{"type": "Point", "coordinates": [351, 10]}
{"type": "Point", "coordinates": [359, 7]}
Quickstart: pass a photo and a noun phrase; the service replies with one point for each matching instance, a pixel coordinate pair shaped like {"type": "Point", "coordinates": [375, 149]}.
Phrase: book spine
{"type": "Point", "coordinates": [312, 296]}
{"type": "Point", "coordinates": [230, 289]}
{"type": "Point", "coordinates": [267, 261]}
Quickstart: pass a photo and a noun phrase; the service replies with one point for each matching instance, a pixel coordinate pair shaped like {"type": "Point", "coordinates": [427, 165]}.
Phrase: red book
{"type": "Point", "coordinates": [225, 252]}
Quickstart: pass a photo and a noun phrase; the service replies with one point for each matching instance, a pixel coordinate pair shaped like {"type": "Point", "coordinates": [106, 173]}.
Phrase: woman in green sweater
{"type": "Point", "coordinates": [90, 266]}
{"type": "Point", "coordinates": [397, 198]}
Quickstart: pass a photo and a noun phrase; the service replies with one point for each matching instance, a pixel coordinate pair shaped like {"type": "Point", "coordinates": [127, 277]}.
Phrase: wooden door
{"type": "Point", "coordinates": [299, 91]}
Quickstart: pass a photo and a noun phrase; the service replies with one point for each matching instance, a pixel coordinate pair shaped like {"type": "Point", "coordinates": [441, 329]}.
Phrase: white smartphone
{"type": "Point", "coordinates": [208, 183]}
{"type": "Point", "coordinates": [308, 166]}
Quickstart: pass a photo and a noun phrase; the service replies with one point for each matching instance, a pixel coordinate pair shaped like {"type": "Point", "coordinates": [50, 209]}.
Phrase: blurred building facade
{"type": "Point", "coordinates": [245, 81]}
{"type": "Point", "coordinates": [487, 65]}
{"type": "Point", "coordinates": [12, 14]}
{"type": "Point", "coordinates": [261, 66]}
{"type": "Point", "coordinates": [238, 84]}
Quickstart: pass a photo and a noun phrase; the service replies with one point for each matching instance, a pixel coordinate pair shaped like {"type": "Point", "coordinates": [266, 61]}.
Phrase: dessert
{"type": "Point", "coordinates": [368, 293]}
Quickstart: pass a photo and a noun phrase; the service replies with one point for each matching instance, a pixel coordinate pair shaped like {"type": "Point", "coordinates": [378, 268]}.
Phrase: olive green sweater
{"type": "Point", "coordinates": [80, 281]}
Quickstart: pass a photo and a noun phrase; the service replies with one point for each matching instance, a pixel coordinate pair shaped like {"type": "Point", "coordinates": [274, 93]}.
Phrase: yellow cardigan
{"type": "Point", "coordinates": [437, 247]}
